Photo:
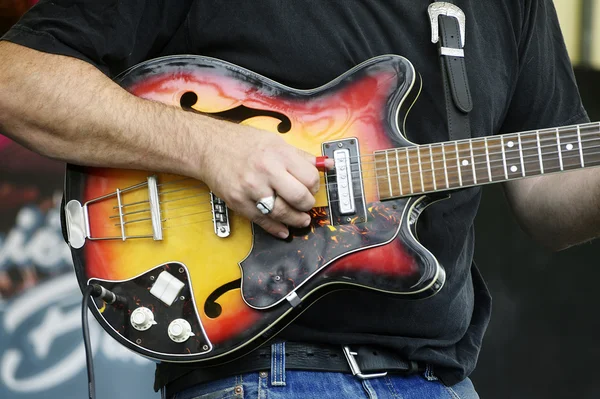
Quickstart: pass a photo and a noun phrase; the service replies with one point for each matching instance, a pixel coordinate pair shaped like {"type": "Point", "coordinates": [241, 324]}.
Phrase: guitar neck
{"type": "Point", "coordinates": [450, 165]}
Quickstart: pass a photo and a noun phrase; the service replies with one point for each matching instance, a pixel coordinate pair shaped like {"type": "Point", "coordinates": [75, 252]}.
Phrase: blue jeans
{"type": "Point", "coordinates": [279, 383]}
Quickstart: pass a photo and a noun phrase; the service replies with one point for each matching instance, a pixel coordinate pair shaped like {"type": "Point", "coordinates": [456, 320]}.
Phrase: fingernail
{"type": "Point", "coordinates": [306, 222]}
{"type": "Point", "coordinates": [283, 234]}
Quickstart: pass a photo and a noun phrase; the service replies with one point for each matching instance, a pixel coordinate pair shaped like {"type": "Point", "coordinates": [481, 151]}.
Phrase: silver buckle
{"type": "Point", "coordinates": [442, 8]}
{"type": "Point", "coordinates": [354, 366]}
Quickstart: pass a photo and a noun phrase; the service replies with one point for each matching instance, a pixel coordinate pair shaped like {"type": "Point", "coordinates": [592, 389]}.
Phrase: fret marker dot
{"type": "Point", "coordinates": [569, 147]}
{"type": "Point", "coordinates": [510, 144]}
{"type": "Point", "coordinates": [513, 168]}
{"type": "Point", "coordinates": [465, 162]}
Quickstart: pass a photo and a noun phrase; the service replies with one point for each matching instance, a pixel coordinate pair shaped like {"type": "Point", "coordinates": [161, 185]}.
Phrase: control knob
{"type": "Point", "coordinates": [142, 318]}
{"type": "Point", "coordinates": [180, 330]}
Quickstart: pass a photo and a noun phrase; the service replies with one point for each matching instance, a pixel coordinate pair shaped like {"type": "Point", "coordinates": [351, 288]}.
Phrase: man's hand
{"type": "Point", "coordinates": [245, 164]}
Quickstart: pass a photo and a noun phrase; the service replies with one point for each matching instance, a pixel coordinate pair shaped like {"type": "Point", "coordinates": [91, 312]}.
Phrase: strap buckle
{"type": "Point", "coordinates": [354, 366]}
{"type": "Point", "coordinates": [450, 10]}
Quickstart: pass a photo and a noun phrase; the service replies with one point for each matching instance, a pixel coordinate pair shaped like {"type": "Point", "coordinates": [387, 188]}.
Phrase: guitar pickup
{"type": "Point", "coordinates": [220, 216]}
{"type": "Point", "coordinates": [343, 178]}
{"type": "Point", "coordinates": [344, 182]}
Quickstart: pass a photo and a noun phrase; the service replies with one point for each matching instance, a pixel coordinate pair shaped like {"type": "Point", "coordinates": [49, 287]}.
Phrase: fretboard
{"type": "Point", "coordinates": [450, 165]}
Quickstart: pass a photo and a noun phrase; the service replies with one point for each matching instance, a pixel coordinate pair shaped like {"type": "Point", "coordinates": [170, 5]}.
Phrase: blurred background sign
{"type": "Point", "coordinates": [542, 340]}
{"type": "Point", "coordinates": [41, 345]}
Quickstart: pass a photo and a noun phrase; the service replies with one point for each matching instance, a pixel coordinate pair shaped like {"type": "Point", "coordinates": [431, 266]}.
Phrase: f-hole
{"type": "Point", "coordinates": [211, 307]}
{"type": "Point", "coordinates": [237, 114]}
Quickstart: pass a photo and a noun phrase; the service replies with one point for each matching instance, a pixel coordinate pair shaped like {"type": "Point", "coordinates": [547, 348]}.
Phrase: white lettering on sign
{"type": "Point", "coordinates": [59, 300]}
{"type": "Point", "coordinates": [36, 239]}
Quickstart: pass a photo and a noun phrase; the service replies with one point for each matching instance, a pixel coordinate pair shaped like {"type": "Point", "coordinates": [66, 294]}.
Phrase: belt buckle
{"type": "Point", "coordinates": [448, 9]}
{"type": "Point", "coordinates": [356, 371]}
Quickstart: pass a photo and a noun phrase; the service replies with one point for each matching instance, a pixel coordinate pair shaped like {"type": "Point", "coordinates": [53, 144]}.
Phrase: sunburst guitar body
{"type": "Point", "coordinates": [202, 283]}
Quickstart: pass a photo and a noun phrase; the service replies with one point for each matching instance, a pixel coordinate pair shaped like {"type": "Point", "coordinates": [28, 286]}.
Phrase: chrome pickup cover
{"type": "Point", "coordinates": [344, 183]}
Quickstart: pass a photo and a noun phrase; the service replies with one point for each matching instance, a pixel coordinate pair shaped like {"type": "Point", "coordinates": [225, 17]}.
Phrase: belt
{"type": "Point", "coordinates": [363, 361]}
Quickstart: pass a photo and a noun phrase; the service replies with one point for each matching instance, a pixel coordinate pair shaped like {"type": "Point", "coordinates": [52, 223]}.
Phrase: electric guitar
{"type": "Point", "coordinates": [198, 282]}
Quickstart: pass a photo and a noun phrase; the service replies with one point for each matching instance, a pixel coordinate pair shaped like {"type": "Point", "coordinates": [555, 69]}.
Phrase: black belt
{"type": "Point", "coordinates": [364, 361]}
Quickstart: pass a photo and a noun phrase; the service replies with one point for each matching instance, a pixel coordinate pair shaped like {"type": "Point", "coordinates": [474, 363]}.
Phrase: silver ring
{"type": "Point", "coordinates": [265, 205]}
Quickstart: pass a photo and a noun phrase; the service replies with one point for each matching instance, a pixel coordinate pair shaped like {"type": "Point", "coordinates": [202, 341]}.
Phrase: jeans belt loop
{"type": "Point", "coordinates": [356, 371]}
{"type": "Point", "coordinates": [278, 364]}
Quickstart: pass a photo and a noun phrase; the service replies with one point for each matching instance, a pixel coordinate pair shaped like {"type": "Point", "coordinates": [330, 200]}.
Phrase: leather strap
{"type": "Point", "coordinates": [301, 356]}
{"type": "Point", "coordinates": [454, 66]}
{"type": "Point", "coordinates": [454, 75]}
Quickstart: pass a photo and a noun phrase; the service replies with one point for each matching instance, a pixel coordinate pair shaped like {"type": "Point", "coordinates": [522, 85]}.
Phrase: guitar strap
{"type": "Point", "coordinates": [448, 31]}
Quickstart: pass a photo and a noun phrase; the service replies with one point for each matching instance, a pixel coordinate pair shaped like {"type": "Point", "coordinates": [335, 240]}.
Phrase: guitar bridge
{"type": "Point", "coordinates": [78, 220]}
{"type": "Point", "coordinates": [220, 216]}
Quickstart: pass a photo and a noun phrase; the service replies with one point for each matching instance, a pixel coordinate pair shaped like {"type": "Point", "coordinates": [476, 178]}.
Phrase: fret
{"type": "Point", "coordinates": [420, 168]}
{"type": "Point", "coordinates": [539, 148]}
{"type": "Point", "coordinates": [513, 157]}
{"type": "Point", "coordinates": [580, 146]}
{"type": "Point", "coordinates": [569, 147]}
{"type": "Point", "coordinates": [590, 139]}
{"type": "Point", "coordinates": [445, 165]}
{"type": "Point", "coordinates": [473, 162]}
{"type": "Point", "coordinates": [487, 158]}
{"type": "Point", "coordinates": [464, 160]}
{"type": "Point", "coordinates": [389, 176]}
{"type": "Point", "coordinates": [452, 166]}
{"type": "Point", "coordinates": [548, 148]}
{"type": "Point", "coordinates": [529, 151]}
{"type": "Point", "coordinates": [521, 156]}
{"type": "Point", "coordinates": [399, 174]}
{"type": "Point", "coordinates": [432, 168]}
{"type": "Point", "coordinates": [503, 157]}
{"type": "Point", "coordinates": [496, 158]}
{"type": "Point", "coordinates": [412, 191]}
{"type": "Point", "coordinates": [479, 159]}
{"type": "Point", "coordinates": [460, 182]}
{"type": "Point", "coordinates": [560, 159]}
{"type": "Point", "coordinates": [377, 179]}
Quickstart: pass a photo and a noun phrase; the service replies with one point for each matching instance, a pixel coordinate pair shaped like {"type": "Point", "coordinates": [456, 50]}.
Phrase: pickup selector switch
{"type": "Point", "coordinates": [180, 330]}
{"type": "Point", "coordinates": [142, 319]}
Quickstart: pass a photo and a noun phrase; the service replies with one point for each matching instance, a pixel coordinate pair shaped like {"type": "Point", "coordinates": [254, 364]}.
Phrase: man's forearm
{"type": "Point", "coordinates": [66, 109]}
{"type": "Point", "coordinates": [558, 210]}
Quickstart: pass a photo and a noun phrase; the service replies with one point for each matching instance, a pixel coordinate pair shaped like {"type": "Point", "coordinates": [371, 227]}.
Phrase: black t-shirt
{"type": "Point", "coordinates": [520, 77]}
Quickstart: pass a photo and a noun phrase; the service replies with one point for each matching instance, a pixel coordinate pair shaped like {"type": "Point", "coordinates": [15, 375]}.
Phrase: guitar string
{"type": "Point", "coordinates": [210, 220]}
{"type": "Point", "coordinates": [161, 202]}
{"type": "Point", "coordinates": [427, 182]}
{"type": "Point", "coordinates": [545, 134]}
{"type": "Point", "coordinates": [479, 165]}
{"type": "Point", "coordinates": [330, 202]}
{"type": "Point", "coordinates": [451, 162]}
{"type": "Point", "coordinates": [451, 169]}
{"type": "Point", "coordinates": [117, 216]}
{"type": "Point", "coordinates": [174, 181]}
{"type": "Point", "coordinates": [411, 152]}
{"type": "Point", "coordinates": [170, 182]}
{"type": "Point", "coordinates": [419, 149]}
